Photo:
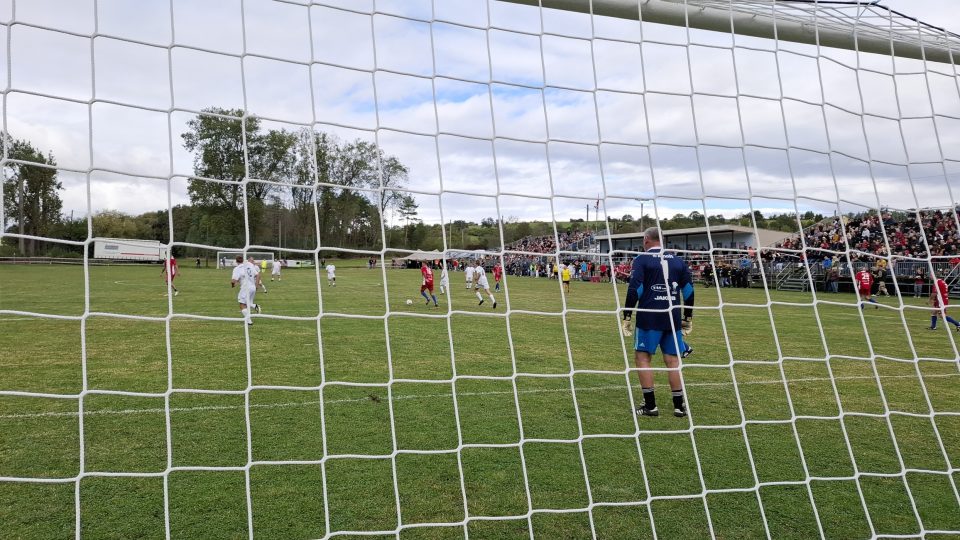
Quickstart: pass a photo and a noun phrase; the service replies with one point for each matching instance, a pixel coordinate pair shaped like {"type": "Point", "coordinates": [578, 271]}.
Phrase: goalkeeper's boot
{"type": "Point", "coordinates": [687, 352]}
{"type": "Point", "coordinates": [644, 411]}
{"type": "Point", "coordinates": [680, 412]}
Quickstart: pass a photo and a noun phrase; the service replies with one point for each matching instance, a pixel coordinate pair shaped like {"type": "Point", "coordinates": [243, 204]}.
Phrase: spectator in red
{"type": "Point", "coordinates": [918, 280]}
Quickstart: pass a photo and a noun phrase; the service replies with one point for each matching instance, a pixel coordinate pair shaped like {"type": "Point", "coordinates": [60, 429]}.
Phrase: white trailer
{"type": "Point", "coordinates": [129, 250]}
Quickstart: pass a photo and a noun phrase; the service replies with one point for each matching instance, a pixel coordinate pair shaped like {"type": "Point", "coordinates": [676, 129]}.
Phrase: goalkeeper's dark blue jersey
{"type": "Point", "coordinates": [648, 290]}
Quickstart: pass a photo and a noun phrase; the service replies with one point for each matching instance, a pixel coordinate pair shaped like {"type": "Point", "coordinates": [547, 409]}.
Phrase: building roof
{"type": "Point", "coordinates": [767, 237]}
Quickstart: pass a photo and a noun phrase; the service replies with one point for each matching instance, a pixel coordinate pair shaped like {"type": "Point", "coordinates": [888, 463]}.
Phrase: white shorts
{"type": "Point", "coordinates": [245, 296]}
{"type": "Point", "coordinates": [276, 272]}
{"type": "Point", "coordinates": [331, 276]}
{"type": "Point", "coordinates": [469, 279]}
{"type": "Point", "coordinates": [483, 283]}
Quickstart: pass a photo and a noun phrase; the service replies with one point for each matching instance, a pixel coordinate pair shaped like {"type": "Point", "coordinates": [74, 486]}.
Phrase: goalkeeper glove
{"type": "Point", "coordinates": [626, 326]}
{"type": "Point", "coordinates": [686, 326]}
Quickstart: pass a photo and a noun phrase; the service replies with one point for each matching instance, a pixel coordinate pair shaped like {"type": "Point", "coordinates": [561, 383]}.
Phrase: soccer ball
{"type": "Point", "coordinates": [409, 302]}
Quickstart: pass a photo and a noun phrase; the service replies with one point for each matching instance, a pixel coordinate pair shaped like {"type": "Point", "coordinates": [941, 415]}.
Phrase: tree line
{"type": "Point", "coordinates": [281, 208]}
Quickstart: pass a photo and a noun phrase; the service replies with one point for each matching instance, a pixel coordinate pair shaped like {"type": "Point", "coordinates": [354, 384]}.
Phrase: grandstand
{"type": "Point", "coordinates": [696, 238]}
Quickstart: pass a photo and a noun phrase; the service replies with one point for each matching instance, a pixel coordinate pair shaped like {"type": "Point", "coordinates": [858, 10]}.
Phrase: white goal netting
{"type": "Point", "coordinates": [783, 148]}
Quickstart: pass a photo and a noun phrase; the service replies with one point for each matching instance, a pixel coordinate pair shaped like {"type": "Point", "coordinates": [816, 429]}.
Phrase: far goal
{"type": "Point", "coordinates": [228, 259]}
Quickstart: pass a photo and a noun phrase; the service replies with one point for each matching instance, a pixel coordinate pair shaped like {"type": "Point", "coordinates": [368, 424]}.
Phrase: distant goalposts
{"type": "Point", "coordinates": [228, 259]}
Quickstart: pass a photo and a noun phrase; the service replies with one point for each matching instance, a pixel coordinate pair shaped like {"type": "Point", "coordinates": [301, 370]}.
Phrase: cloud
{"type": "Point", "coordinates": [608, 130]}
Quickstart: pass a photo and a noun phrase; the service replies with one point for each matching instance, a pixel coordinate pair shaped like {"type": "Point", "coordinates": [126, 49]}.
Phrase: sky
{"type": "Point", "coordinates": [549, 132]}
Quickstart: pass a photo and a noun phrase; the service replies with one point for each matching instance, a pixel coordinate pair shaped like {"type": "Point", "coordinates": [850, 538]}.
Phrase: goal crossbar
{"type": "Point", "coordinates": [842, 25]}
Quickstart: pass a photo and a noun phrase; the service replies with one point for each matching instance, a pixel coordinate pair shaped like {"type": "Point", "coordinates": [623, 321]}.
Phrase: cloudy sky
{"type": "Point", "coordinates": [553, 120]}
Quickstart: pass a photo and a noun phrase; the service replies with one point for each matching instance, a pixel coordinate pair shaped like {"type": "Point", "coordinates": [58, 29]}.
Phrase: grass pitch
{"type": "Point", "coordinates": [805, 419]}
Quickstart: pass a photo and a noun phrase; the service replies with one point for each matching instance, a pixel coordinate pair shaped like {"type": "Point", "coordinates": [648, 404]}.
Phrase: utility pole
{"type": "Point", "coordinates": [20, 197]}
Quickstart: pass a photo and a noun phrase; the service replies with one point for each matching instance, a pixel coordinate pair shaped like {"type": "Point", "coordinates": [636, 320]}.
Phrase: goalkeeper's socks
{"type": "Point", "coordinates": [677, 399]}
{"type": "Point", "coordinates": [649, 399]}
{"type": "Point", "coordinates": [435, 300]}
{"type": "Point", "coordinates": [952, 321]}
{"type": "Point", "coordinates": [933, 322]}
{"type": "Point", "coordinates": [425, 297]}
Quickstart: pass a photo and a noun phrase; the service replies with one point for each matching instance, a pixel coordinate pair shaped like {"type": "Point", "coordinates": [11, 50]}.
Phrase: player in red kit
{"type": "Point", "coordinates": [497, 275]}
{"type": "Point", "coordinates": [427, 284]}
{"type": "Point", "coordinates": [864, 281]}
{"type": "Point", "coordinates": [171, 270]}
{"type": "Point", "coordinates": [940, 299]}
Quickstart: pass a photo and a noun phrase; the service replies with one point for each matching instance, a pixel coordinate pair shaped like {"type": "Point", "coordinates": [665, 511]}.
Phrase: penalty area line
{"type": "Point", "coordinates": [159, 410]}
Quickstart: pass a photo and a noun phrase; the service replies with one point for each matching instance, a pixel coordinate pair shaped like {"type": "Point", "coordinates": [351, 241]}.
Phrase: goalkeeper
{"type": "Point", "coordinates": [656, 281]}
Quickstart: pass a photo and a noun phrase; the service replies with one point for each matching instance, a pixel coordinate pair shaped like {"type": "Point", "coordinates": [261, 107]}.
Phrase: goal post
{"type": "Point", "coordinates": [853, 25]}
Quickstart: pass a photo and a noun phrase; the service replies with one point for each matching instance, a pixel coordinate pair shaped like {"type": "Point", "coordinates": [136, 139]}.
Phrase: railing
{"type": "Point", "coordinates": [787, 272]}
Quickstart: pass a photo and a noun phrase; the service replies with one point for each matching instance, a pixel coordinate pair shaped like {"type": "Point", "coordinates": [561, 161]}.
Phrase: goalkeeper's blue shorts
{"type": "Point", "coordinates": [649, 340]}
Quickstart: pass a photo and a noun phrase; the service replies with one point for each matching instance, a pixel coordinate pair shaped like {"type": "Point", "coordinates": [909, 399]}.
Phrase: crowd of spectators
{"type": "Point", "coordinates": [912, 235]}
{"type": "Point", "coordinates": [548, 244]}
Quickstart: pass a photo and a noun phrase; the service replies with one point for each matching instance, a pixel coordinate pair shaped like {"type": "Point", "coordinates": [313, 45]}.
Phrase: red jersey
{"type": "Point", "coordinates": [942, 298]}
{"type": "Point", "coordinates": [427, 274]}
{"type": "Point", "coordinates": [497, 272]}
{"type": "Point", "coordinates": [864, 279]}
{"type": "Point", "coordinates": [171, 267]}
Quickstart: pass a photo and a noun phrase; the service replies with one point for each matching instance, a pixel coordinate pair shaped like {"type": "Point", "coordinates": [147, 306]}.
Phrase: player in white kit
{"type": "Point", "coordinates": [444, 280]}
{"type": "Point", "coordinates": [469, 271]}
{"type": "Point", "coordinates": [257, 283]}
{"type": "Point", "coordinates": [275, 270]}
{"type": "Point", "coordinates": [245, 276]}
{"type": "Point", "coordinates": [482, 283]}
{"type": "Point", "coordinates": [331, 275]}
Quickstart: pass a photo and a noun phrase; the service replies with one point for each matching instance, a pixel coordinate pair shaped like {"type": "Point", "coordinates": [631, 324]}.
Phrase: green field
{"type": "Point", "coordinates": [806, 419]}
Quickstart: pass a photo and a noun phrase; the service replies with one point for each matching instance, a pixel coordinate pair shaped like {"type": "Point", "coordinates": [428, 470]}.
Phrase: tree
{"type": "Point", "coordinates": [116, 224]}
{"type": "Point", "coordinates": [31, 192]}
{"type": "Point", "coordinates": [717, 219]}
{"type": "Point", "coordinates": [408, 208]}
{"type": "Point", "coordinates": [230, 149]}
{"type": "Point", "coordinates": [340, 166]}
{"type": "Point", "coordinates": [408, 211]}
{"type": "Point", "coordinates": [627, 218]}
{"type": "Point", "coordinates": [488, 222]}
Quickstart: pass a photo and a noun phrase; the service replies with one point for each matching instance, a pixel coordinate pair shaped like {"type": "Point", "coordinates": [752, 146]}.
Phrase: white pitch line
{"type": "Point", "coordinates": [159, 410]}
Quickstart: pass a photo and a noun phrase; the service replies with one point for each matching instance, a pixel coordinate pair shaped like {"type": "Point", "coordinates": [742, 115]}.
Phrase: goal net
{"type": "Point", "coordinates": [471, 181]}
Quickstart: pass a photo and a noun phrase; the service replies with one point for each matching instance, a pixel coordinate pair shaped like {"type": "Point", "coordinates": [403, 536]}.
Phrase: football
{"type": "Point", "coordinates": [409, 302]}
